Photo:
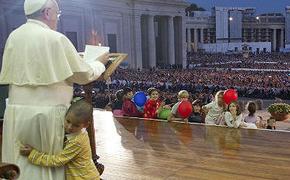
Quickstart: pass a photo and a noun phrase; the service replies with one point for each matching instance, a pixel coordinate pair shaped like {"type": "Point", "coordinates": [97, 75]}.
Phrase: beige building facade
{"type": "Point", "coordinates": [136, 27]}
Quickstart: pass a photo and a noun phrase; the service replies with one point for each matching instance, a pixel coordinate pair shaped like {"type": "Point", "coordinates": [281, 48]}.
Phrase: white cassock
{"type": "Point", "coordinates": [40, 65]}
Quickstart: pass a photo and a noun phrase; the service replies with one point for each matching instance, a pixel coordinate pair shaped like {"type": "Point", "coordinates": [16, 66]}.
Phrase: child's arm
{"type": "Point", "coordinates": [239, 122]}
{"type": "Point", "coordinates": [228, 119]}
{"type": "Point", "coordinates": [160, 107]}
{"type": "Point", "coordinates": [130, 109]}
{"type": "Point", "coordinates": [67, 154]}
{"type": "Point", "coordinates": [206, 108]}
{"type": "Point", "coordinates": [172, 117]}
{"type": "Point", "coordinates": [126, 108]}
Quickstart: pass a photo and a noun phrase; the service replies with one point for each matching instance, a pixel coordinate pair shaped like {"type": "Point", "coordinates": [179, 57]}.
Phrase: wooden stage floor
{"type": "Point", "coordinates": [144, 149]}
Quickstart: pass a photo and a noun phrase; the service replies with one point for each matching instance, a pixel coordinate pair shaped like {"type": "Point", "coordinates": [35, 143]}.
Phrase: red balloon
{"type": "Point", "coordinates": [184, 109]}
{"type": "Point", "coordinates": [230, 95]}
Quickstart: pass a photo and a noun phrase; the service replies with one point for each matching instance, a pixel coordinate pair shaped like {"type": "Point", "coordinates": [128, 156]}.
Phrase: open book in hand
{"type": "Point", "coordinates": [92, 53]}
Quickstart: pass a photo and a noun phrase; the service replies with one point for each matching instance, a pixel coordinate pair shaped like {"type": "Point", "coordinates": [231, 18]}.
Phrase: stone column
{"type": "Point", "coordinates": [201, 36]}
{"type": "Point", "coordinates": [195, 40]}
{"type": "Point", "coordinates": [274, 41]}
{"type": "Point", "coordinates": [138, 41]}
{"type": "Point", "coordinates": [188, 39]}
{"type": "Point", "coordinates": [252, 35]}
{"type": "Point", "coordinates": [3, 33]}
{"type": "Point", "coordinates": [258, 35]}
{"type": "Point", "coordinates": [127, 32]}
{"type": "Point", "coordinates": [183, 42]}
{"type": "Point", "coordinates": [164, 40]}
{"type": "Point", "coordinates": [151, 42]}
{"type": "Point", "coordinates": [267, 35]}
{"type": "Point", "coordinates": [209, 38]}
{"type": "Point", "coordinates": [282, 39]}
{"type": "Point", "coordinates": [171, 42]}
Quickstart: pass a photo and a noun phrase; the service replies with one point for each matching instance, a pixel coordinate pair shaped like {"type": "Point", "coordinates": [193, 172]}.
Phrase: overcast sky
{"type": "Point", "coordinates": [262, 6]}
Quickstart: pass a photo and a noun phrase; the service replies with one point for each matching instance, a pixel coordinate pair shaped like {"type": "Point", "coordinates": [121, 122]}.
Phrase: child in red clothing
{"type": "Point", "coordinates": [128, 107]}
{"type": "Point", "coordinates": [153, 105]}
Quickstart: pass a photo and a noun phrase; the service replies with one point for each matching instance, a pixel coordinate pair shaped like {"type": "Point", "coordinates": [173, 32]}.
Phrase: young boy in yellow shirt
{"type": "Point", "coordinates": [76, 155]}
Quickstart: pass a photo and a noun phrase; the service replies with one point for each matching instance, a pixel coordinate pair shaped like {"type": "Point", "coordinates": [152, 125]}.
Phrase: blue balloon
{"type": "Point", "coordinates": [140, 98]}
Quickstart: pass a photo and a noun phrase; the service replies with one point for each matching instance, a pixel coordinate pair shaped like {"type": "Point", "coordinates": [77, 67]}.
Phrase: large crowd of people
{"type": "Point", "coordinates": [262, 61]}
{"type": "Point", "coordinates": [204, 79]}
{"type": "Point", "coordinates": [248, 83]}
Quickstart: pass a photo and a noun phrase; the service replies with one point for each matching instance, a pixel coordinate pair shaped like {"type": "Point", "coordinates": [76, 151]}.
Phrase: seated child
{"type": "Point", "coordinates": [234, 118]}
{"type": "Point", "coordinates": [117, 103]}
{"type": "Point", "coordinates": [251, 118]}
{"type": "Point", "coordinates": [196, 114]}
{"type": "Point", "coordinates": [76, 155]}
{"type": "Point", "coordinates": [153, 105]}
{"type": "Point", "coordinates": [215, 109]}
{"type": "Point", "coordinates": [129, 108]}
{"type": "Point", "coordinates": [271, 123]}
{"type": "Point", "coordinates": [261, 123]}
{"type": "Point", "coordinates": [183, 95]}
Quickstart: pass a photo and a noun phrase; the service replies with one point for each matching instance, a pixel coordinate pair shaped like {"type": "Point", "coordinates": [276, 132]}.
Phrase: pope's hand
{"type": "Point", "coordinates": [104, 58]}
{"type": "Point", "coordinates": [25, 150]}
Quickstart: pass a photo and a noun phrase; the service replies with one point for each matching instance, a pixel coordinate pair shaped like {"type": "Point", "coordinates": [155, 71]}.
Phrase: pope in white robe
{"type": "Point", "coordinates": [40, 65]}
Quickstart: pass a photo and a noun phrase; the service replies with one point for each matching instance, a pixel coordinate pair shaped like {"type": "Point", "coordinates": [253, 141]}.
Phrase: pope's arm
{"type": "Point", "coordinates": [94, 72]}
{"type": "Point", "coordinates": [70, 151]}
{"type": "Point", "coordinates": [83, 73]}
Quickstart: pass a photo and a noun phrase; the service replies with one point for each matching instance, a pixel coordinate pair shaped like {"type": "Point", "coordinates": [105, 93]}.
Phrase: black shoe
{"type": "Point", "coordinates": [100, 167]}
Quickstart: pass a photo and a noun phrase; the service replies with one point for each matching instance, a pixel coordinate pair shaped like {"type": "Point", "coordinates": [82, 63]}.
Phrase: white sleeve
{"type": "Point", "coordinates": [97, 67]}
{"type": "Point", "coordinates": [229, 119]}
{"type": "Point", "coordinates": [209, 105]}
{"type": "Point", "coordinates": [174, 108]}
{"type": "Point", "coordinates": [95, 70]}
{"type": "Point", "coordinates": [238, 121]}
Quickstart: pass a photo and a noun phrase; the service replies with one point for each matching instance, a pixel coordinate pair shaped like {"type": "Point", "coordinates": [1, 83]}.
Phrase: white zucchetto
{"type": "Point", "coordinates": [31, 6]}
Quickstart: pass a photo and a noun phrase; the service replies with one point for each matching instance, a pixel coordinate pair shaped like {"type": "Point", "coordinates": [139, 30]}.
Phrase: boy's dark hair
{"type": "Point", "coordinates": [197, 102]}
{"type": "Point", "coordinates": [120, 94]}
{"type": "Point", "coordinates": [81, 110]}
{"type": "Point", "coordinates": [252, 108]}
{"type": "Point", "coordinates": [126, 90]}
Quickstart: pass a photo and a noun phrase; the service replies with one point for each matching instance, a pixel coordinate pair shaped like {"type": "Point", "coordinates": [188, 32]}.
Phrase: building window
{"type": "Point", "coordinates": [73, 37]}
{"type": "Point", "coordinates": [112, 41]}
